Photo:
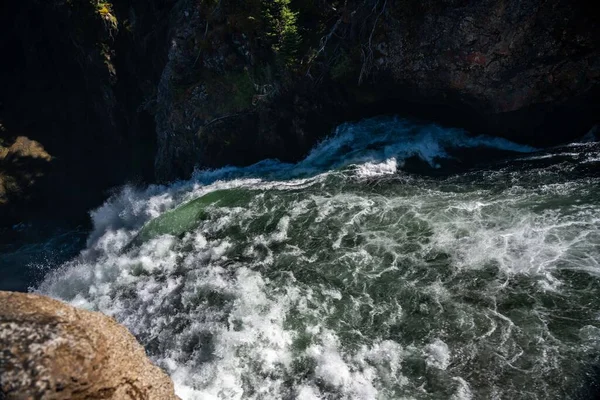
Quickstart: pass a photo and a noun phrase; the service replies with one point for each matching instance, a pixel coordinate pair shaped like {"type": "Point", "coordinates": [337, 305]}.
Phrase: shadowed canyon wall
{"type": "Point", "coordinates": [121, 91]}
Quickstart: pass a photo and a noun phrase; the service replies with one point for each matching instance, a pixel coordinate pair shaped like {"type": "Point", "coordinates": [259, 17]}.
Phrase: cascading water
{"type": "Point", "coordinates": [351, 276]}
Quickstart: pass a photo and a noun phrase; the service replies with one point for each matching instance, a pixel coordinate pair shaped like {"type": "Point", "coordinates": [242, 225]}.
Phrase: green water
{"type": "Point", "coordinates": [358, 280]}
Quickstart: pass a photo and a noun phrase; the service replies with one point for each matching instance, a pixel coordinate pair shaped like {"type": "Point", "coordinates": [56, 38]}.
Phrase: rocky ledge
{"type": "Point", "coordinates": [50, 350]}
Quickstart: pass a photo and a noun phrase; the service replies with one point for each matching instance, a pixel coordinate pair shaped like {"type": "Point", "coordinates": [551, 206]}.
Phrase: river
{"type": "Point", "coordinates": [399, 260]}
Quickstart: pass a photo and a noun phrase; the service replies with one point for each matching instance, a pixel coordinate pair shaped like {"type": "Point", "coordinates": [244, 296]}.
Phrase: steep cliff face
{"type": "Point", "coordinates": [248, 80]}
{"type": "Point", "coordinates": [53, 351]}
{"type": "Point", "coordinates": [64, 87]}
{"type": "Point", "coordinates": [529, 69]}
{"type": "Point", "coordinates": [128, 90]}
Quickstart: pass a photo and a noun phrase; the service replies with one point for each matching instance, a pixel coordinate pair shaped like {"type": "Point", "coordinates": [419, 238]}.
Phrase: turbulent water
{"type": "Point", "coordinates": [397, 261]}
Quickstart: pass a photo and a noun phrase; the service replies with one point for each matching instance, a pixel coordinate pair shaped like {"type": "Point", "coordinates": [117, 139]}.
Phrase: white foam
{"type": "Point", "coordinates": [373, 143]}
{"type": "Point", "coordinates": [356, 377]}
{"type": "Point", "coordinates": [437, 354]}
{"type": "Point", "coordinates": [463, 392]}
{"type": "Point", "coordinates": [370, 169]}
{"type": "Point", "coordinates": [308, 392]}
{"type": "Point", "coordinates": [229, 311]}
{"type": "Point", "coordinates": [518, 241]}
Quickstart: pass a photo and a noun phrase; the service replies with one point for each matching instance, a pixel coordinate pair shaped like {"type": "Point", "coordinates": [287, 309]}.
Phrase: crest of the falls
{"type": "Point", "coordinates": [345, 277]}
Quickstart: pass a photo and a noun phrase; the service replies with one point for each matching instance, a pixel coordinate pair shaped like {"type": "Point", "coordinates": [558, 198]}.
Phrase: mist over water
{"type": "Point", "coordinates": [397, 261]}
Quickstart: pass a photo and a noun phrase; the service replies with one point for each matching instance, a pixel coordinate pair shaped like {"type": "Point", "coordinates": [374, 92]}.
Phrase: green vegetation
{"type": "Point", "coordinates": [232, 91]}
{"type": "Point", "coordinates": [241, 90]}
{"type": "Point", "coordinates": [105, 9]}
{"type": "Point", "coordinates": [101, 8]}
{"type": "Point", "coordinates": [95, 25]}
{"type": "Point", "coordinates": [281, 28]}
{"type": "Point", "coordinates": [243, 52]}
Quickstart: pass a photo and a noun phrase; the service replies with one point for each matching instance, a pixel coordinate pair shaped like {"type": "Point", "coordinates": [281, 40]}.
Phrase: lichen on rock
{"type": "Point", "coordinates": [50, 350]}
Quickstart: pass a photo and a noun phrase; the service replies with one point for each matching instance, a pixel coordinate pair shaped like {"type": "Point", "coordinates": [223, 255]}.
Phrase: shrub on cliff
{"type": "Point", "coordinates": [282, 30]}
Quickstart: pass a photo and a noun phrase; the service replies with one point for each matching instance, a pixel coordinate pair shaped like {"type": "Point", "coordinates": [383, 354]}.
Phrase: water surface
{"type": "Point", "coordinates": [397, 261]}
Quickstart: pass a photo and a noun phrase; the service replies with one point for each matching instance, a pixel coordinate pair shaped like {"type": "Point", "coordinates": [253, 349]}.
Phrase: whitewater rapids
{"type": "Point", "coordinates": [397, 261]}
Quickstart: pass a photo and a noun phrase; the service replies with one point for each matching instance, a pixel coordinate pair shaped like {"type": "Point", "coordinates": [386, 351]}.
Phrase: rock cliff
{"type": "Point", "coordinates": [142, 90]}
{"type": "Point", "coordinates": [64, 86]}
{"type": "Point", "coordinates": [247, 82]}
{"type": "Point", "coordinates": [51, 350]}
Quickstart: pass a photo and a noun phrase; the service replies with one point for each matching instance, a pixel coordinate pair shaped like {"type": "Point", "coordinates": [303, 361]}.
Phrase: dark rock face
{"type": "Point", "coordinates": [51, 350]}
{"type": "Point", "coordinates": [525, 70]}
{"type": "Point", "coordinates": [64, 87]}
{"type": "Point", "coordinates": [152, 89]}
{"type": "Point", "coordinates": [522, 66]}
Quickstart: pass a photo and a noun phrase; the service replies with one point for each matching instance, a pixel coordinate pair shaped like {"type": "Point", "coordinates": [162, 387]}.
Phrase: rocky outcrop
{"type": "Point", "coordinates": [22, 162]}
{"type": "Point", "coordinates": [50, 350]}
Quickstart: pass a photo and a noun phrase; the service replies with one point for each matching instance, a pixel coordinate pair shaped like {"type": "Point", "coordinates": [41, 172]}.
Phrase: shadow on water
{"type": "Point", "coordinates": [590, 387]}
{"type": "Point", "coordinates": [28, 252]}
